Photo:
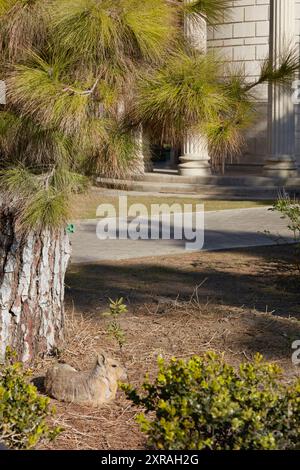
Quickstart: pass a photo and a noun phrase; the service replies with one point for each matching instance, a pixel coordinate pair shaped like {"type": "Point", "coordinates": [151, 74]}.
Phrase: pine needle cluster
{"type": "Point", "coordinates": [83, 76]}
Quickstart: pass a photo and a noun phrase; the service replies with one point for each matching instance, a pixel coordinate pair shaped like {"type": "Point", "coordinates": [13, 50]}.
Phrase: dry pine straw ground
{"type": "Point", "coordinates": [171, 326]}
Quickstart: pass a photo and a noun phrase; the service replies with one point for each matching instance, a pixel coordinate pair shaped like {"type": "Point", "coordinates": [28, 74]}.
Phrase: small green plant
{"type": "Point", "coordinates": [290, 210]}
{"type": "Point", "coordinates": [23, 412]}
{"type": "Point", "coordinates": [116, 308]}
{"type": "Point", "coordinates": [116, 331]}
{"type": "Point", "coordinates": [206, 404]}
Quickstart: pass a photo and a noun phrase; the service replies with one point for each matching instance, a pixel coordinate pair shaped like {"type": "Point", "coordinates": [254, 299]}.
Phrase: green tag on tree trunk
{"type": "Point", "coordinates": [70, 228]}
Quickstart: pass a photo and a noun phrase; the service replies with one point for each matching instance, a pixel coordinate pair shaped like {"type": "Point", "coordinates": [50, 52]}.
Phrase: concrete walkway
{"type": "Point", "coordinates": [226, 229]}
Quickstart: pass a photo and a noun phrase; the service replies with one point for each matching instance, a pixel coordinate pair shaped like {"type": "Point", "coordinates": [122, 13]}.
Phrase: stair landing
{"type": "Point", "coordinates": [227, 186]}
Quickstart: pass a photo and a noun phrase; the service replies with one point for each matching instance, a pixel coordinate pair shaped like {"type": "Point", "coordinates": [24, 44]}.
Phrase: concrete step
{"type": "Point", "coordinates": [207, 191]}
{"type": "Point", "coordinates": [220, 180]}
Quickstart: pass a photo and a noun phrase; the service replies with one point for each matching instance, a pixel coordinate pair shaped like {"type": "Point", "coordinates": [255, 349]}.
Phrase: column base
{"type": "Point", "coordinates": [194, 166]}
{"type": "Point", "coordinates": [140, 169]}
{"type": "Point", "coordinates": [282, 166]}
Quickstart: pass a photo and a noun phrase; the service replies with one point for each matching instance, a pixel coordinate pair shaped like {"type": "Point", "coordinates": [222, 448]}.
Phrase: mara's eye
{"type": "Point", "coordinates": [114, 365]}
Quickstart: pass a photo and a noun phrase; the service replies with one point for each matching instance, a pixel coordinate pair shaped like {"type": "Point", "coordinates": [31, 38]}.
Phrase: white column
{"type": "Point", "coordinates": [195, 160]}
{"type": "Point", "coordinates": [281, 161]}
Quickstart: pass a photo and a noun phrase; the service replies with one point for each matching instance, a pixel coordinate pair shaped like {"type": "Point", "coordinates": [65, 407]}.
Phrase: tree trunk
{"type": "Point", "coordinates": [32, 273]}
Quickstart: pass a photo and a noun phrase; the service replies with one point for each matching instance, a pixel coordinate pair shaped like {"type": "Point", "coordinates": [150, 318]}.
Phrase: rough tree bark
{"type": "Point", "coordinates": [32, 273]}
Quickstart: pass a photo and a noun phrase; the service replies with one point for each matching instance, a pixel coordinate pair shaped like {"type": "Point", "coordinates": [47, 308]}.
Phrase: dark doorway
{"type": "Point", "coordinates": [165, 156]}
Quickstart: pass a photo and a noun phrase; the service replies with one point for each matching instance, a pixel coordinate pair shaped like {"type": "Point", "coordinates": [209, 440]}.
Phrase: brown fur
{"type": "Point", "coordinates": [94, 387]}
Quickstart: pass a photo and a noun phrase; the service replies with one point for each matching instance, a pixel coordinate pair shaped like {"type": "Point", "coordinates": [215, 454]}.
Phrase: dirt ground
{"type": "Point", "coordinates": [234, 302]}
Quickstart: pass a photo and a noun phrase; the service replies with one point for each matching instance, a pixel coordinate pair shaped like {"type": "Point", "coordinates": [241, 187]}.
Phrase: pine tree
{"type": "Point", "coordinates": [82, 77]}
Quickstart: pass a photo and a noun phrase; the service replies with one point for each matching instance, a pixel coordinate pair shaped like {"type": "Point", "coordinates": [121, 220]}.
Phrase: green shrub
{"type": "Point", "coordinates": [289, 210]}
{"type": "Point", "coordinates": [205, 404]}
{"type": "Point", "coordinates": [23, 411]}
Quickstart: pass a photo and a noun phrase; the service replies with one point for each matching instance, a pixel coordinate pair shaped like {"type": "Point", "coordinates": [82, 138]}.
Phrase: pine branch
{"type": "Point", "coordinates": [281, 73]}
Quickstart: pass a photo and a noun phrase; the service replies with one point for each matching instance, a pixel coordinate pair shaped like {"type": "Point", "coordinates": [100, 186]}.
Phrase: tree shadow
{"type": "Point", "coordinates": [257, 278]}
{"type": "Point", "coordinates": [260, 285]}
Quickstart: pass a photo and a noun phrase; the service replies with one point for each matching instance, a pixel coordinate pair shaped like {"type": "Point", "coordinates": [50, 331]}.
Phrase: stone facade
{"type": "Point", "coordinates": [244, 40]}
{"type": "Point", "coordinates": [250, 32]}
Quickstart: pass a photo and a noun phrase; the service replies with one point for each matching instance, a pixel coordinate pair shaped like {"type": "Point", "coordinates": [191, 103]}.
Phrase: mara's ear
{"type": "Point", "coordinates": [101, 359]}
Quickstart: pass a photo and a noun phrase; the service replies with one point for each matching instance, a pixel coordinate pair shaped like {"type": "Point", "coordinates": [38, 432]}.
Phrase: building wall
{"type": "Point", "coordinates": [243, 37]}
{"type": "Point", "coordinates": [243, 40]}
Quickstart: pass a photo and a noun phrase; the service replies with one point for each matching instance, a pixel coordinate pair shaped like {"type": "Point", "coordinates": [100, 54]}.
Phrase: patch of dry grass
{"type": "Point", "coordinates": [165, 328]}
{"type": "Point", "coordinates": [84, 206]}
